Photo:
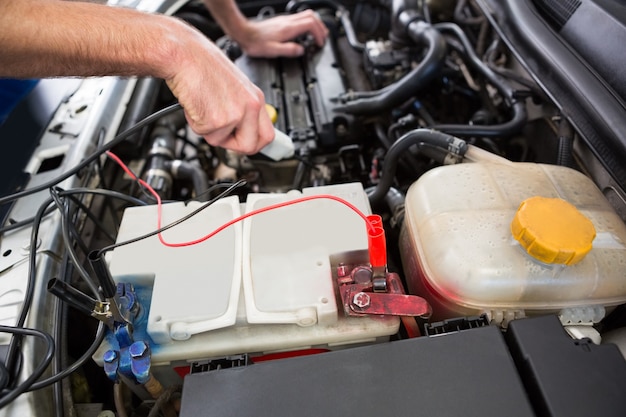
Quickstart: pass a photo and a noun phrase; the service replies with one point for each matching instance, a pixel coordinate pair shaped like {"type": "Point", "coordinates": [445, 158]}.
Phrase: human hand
{"type": "Point", "coordinates": [274, 37]}
{"type": "Point", "coordinates": [220, 102]}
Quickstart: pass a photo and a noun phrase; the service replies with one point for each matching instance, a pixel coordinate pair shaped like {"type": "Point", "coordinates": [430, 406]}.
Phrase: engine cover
{"type": "Point", "coordinates": [303, 91]}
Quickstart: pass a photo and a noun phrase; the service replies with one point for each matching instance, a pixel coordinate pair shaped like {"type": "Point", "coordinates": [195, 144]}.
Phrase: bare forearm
{"type": "Point", "coordinates": [45, 38]}
{"type": "Point", "coordinates": [228, 16]}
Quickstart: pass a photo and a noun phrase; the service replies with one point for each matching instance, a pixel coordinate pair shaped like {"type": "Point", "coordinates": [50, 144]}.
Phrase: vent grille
{"type": "Point", "coordinates": [558, 11]}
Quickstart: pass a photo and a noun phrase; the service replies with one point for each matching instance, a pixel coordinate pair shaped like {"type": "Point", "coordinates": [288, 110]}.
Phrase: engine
{"type": "Point", "coordinates": [435, 183]}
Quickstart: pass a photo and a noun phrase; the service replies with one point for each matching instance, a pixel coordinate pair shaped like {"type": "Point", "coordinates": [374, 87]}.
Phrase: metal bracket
{"type": "Point", "coordinates": [364, 294]}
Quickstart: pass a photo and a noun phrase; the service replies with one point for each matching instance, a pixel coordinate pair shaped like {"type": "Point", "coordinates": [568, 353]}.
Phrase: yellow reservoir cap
{"type": "Point", "coordinates": [271, 112]}
{"type": "Point", "coordinates": [552, 230]}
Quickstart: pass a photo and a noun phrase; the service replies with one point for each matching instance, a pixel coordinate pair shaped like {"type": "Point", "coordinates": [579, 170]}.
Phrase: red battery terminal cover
{"type": "Point", "coordinates": [377, 245]}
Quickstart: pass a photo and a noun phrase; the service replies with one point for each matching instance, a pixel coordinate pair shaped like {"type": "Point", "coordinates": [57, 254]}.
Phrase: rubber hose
{"type": "Point", "coordinates": [509, 128]}
{"type": "Point", "coordinates": [420, 76]}
{"type": "Point", "coordinates": [519, 115]}
{"type": "Point", "coordinates": [421, 138]}
{"type": "Point", "coordinates": [186, 170]}
{"type": "Point", "coordinates": [566, 143]}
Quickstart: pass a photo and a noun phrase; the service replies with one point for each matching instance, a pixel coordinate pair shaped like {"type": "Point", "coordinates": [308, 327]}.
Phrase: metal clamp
{"type": "Point", "coordinates": [363, 293]}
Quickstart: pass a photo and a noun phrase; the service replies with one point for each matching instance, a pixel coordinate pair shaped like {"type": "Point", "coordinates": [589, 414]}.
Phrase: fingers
{"type": "Point", "coordinates": [220, 102]}
{"type": "Point", "coordinates": [248, 133]}
{"type": "Point", "coordinates": [309, 21]}
{"type": "Point", "coordinates": [284, 49]}
{"type": "Point", "coordinates": [301, 23]}
{"type": "Point", "coordinates": [227, 109]}
{"type": "Point", "coordinates": [222, 137]}
{"type": "Point", "coordinates": [253, 133]}
{"type": "Point", "coordinates": [274, 37]}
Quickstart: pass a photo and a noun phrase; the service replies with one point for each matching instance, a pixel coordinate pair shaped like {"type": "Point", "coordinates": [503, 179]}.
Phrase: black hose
{"type": "Point", "coordinates": [409, 162]}
{"type": "Point", "coordinates": [518, 108]}
{"type": "Point", "coordinates": [509, 128]}
{"type": "Point", "coordinates": [395, 200]}
{"type": "Point", "coordinates": [186, 170]}
{"type": "Point", "coordinates": [566, 143]}
{"type": "Point", "coordinates": [403, 12]}
{"type": "Point", "coordinates": [490, 60]}
{"type": "Point", "coordinates": [421, 138]}
{"type": "Point", "coordinates": [383, 137]}
{"type": "Point", "coordinates": [475, 62]}
{"type": "Point", "coordinates": [395, 94]}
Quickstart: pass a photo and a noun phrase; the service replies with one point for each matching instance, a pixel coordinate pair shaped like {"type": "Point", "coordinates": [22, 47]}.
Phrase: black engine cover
{"type": "Point", "coordinates": [302, 91]}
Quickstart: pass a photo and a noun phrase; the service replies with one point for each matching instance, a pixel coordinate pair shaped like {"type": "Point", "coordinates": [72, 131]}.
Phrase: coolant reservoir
{"type": "Point", "coordinates": [459, 248]}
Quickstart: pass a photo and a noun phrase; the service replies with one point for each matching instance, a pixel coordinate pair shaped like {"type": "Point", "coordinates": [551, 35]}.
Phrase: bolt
{"type": "Point", "coordinates": [137, 349]}
{"type": "Point", "coordinates": [361, 300]}
{"type": "Point", "coordinates": [342, 270]}
{"type": "Point", "coordinates": [110, 356]}
{"type": "Point", "coordinates": [362, 275]}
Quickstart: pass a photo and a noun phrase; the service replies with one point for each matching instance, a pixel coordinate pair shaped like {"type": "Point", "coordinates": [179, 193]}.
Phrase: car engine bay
{"type": "Point", "coordinates": [455, 167]}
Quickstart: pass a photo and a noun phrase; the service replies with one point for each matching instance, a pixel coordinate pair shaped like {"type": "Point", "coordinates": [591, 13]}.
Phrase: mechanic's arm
{"type": "Point", "coordinates": [48, 38]}
{"type": "Point", "coordinates": [269, 37]}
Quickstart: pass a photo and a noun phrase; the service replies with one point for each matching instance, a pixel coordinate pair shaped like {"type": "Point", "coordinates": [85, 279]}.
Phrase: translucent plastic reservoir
{"type": "Point", "coordinates": [458, 251]}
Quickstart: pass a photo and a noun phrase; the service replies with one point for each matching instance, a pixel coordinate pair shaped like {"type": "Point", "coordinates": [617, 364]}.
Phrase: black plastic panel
{"type": "Point", "coordinates": [468, 373]}
{"type": "Point", "coordinates": [567, 377]}
{"type": "Point", "coordinates": [594, 30]}
{"type": "Point", "coordinates": [590, 104]}
{"type": "Point", "coordinates": [558, 11]}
